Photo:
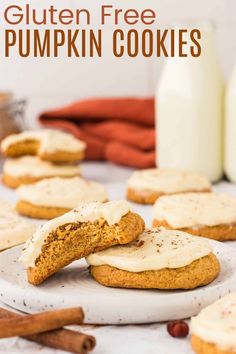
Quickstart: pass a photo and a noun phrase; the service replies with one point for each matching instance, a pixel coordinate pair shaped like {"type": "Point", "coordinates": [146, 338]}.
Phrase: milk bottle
{"type": "Point", "coordinates": [189, 106]}
{"type": "Point", "coordinates": [230, 129]}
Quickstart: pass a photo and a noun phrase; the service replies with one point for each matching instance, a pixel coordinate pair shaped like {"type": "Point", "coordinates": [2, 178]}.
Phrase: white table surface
{"type": "Point", "coordinates": [140, 339]}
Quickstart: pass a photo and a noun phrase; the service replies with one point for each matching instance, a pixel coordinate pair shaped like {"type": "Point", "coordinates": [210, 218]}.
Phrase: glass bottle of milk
{"type": "Point", "coordinates": [190, 111]}
{"type": "Point", "coordinates": [230, 129]}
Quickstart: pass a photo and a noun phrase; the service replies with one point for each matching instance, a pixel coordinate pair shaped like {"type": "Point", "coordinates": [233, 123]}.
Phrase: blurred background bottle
{"type": "Point", "coordinates": [189, 110]}
{"type": "Point", "coordinates": [230, 129]}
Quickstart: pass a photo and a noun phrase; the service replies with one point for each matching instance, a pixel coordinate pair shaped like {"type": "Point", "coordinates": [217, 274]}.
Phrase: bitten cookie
{"type": "Point", "coordinates": [14, 230]}
{"type": "Point", "coordinates": [158, 259]}
{"type": "Point", "coordinates": [89, 228]}
{"type": "Point", "coordinates": [54, 197]}
{"type": "Point", "coordinates": [214, 329]}
{"type": "Point", "coordinates": [147, 186]}
{"type": "Point", "coordinates": [49, 145]}
{"type": "Point", "coordinates": [204, 214]}
{"type": "Point", "coordinates": [30, 169]}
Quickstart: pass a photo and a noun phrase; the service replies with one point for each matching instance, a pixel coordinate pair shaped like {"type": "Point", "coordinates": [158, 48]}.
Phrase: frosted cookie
{"type": "Point", "coordinates": [146, 186]}
{"type": "Point", "coordinates": [214, 329]}
{"type": "Point", "coordinates": [54, 197]}
{"type": "Point", "coordinates": [49, 145]}
{"type": "Point", "coordinates": [30, 169]}
{"type": "Point", "coordinates": [14, 230]}
{"type": "Point", "coordinates": [204, 214]}
{"type": "Point", "coordinates": [89, 228]}
{"type": "Point", "coordinates": [158, 259]}
{"type": "Point", "coordinates": [5, 206]}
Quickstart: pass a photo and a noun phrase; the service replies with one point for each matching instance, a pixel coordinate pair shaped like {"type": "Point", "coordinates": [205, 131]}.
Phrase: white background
{"type": "Point", "coordinates": [48, 83]}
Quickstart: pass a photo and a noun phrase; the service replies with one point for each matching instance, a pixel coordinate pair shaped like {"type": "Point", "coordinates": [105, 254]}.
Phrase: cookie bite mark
{"type": "Point", "coordinates": [146, 186]}
{"type": "Point", "coordinates": [49, 145]}
{"type": "Point", "coordinates": [158, 259]}
{"type": "Point", "coordinates": [89, 228]}
{"type": "Point", "coordinates": [27, 147]}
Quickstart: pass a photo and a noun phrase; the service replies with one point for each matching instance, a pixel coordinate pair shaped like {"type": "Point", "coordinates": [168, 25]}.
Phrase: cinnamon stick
{"type": "Point", "coordinates": [41, 322]}
{"type": "Point", "coordinates": [63, 339]}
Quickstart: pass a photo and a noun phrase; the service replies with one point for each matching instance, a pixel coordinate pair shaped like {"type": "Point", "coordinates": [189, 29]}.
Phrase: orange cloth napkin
{"type": "Point", "coordinates": [120, 130]}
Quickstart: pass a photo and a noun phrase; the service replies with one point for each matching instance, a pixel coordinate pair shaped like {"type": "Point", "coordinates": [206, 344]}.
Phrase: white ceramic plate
{"type": "Point", "coordinates": [73, 286]}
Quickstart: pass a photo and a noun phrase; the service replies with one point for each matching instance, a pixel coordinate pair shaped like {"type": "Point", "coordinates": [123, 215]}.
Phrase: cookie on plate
{"type": "Point", "coordinates": [89, 228]}
{"type": "Point", "coordinates": [209, 215]}
{"type": "Point", "coordinates": [53, 197]}
{"type": "Point", "coordinates": [214, 329]}
{"type": "Point", "coordinates": [146, 186]}
{"type": "Point", "coordinates": [30, 169]}
{"type": "Point", "coordinates": [49, 145]}
{"type": "Point", "coordinates": [158, 259]}
{"type": "Point", "coordinates": [6, 206]}
{"type": "Point", "coordinates": [14, 230]}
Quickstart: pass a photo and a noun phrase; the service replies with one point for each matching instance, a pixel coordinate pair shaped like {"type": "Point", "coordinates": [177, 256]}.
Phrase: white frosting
{"type": "Point", "coordinates": [195, 209]}
{"type": "Point", "coordinates": [168, 181]}
{"type": "Point", "coordinates": [216, 324]}
{"type": "Point", "coordinates": [13, 229]}
{"type": "Point", "coordinates": [32, 166]}
{"type": "Point", "coordinates": [153, 250]}
{"type": "Point", "coordinates": [5, 206]}
{"type": "Point", "coordinates": [50, 141]}
{"type": "Point", "coordinates": [62, 192]}
{"type": "Point", "coordinates": [112, 212]}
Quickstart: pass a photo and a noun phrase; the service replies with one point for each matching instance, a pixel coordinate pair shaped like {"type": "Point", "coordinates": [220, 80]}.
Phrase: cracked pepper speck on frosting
{"type": "Point", "coordinates": [155, 249]}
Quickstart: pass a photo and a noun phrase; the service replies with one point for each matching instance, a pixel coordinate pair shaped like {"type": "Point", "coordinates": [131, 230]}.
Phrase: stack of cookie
{"type": "Point", "coordinates": [35, 155]}
{"type": "Point", "coordinates": [43, 166]}
{"type": "Point", "coordinates": [120, 252]}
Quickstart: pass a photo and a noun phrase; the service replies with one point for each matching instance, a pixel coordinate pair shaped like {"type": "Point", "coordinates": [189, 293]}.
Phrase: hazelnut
{"type": "Point", "coordinates": [178, 328]}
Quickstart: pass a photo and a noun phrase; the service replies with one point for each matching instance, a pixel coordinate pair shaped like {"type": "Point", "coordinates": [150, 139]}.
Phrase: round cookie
{"type": "Point", "coordinates": [45, 200]}
{"type": "Point", "coordinates": [158, 259]}
{"type": "Point", "coordinates": [49, 145]}
{"type": "Point", "coordinates": [89, 228]}
{"type": "Point", "coordinates": [146, 186]}
{"type": "Point", "coordinates": [30, 169]}
{"type": "Point", "coordinates": [208, 215]}
{"type": "Point", "coordinates": [214, 330]}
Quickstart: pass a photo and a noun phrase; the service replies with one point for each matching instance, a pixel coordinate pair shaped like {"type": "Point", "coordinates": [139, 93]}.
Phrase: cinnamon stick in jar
{"type": "Point", "coordinates": [63, 339]}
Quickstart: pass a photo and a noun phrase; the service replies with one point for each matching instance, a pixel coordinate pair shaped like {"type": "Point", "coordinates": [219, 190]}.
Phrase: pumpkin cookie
{"type": "Point", "coordinates": [214, 329]}
{"type": "Point", "coordinates": [89, 228]}
{"type": "Point", "coordinates": [30, 169]}
{"type": "Point", "coordinates": [49, 145]}
{"type": "Point", "coordinates": [14, 230]}
{"type": "Point", "coordinates": [158, 259]}
{"type": "Point", "coordinates": [209, 215]}
{"type": "Point", "coordinates": [146, 186]}
{"type": "Point", "coordinates": [45, 200]}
